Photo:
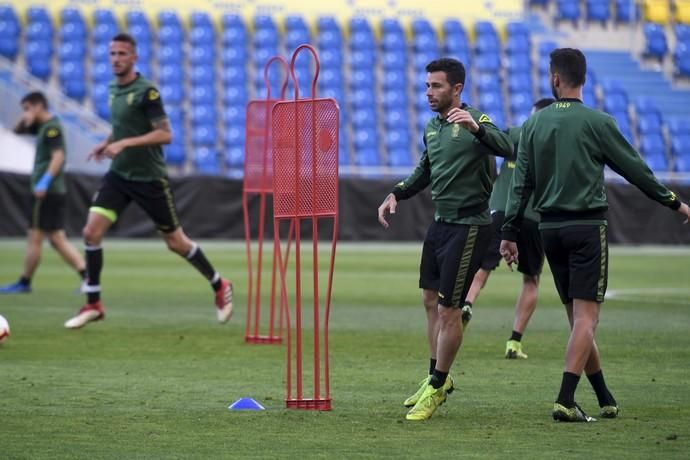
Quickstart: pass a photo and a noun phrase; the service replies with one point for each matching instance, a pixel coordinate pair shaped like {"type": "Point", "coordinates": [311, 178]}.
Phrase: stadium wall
{"type": "Point", "coordinates": [211, 207]}
{"type": "Point", "coordinates": [497, 11]}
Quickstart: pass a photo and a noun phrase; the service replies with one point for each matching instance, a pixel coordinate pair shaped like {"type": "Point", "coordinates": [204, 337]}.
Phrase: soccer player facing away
{"type": "Point", "coordinates": [137, 173]}
{"type": "Point", "coordinates": [529, 246]}
{"type": "Point", "coordinates": [47, 211]}
{"type": "Point", "coordinates": [457, 165]}
{"type": "Point", "coordinates": [560, 161]}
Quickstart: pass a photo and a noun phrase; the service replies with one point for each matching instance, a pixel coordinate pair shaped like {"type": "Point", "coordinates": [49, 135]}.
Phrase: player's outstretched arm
{"type": "Point", "coordinates": [160, 135]}
{"type": "Point", "coordinates": [388, 206]}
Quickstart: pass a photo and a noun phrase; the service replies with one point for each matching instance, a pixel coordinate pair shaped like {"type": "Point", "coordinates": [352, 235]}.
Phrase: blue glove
{"type": "Point", "coordinates": [44, 182]}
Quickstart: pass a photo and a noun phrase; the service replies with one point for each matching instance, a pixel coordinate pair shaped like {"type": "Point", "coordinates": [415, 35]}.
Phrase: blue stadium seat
{"type": "Point", "coordinates": [598, 10]}
{"type": "Point", "coordinates": [140, 32]}
{"type": "Point", "coordinates": [487, 45]}
{"type": "Point", "coordinates": [367, 157]}
{"type": "Point", "coordinates": [363, 118]}
{"type": "Point", "coordinates": [487, 63]}
{"type": "Point", "coordinates": [422, 26]}
{"type": "Point", "coordinates": [204, 135]}
{"type": "Point", "coordinates": [170, 54]}
{"type": "Point", "coordinates": [234, 115]}
{"type": "Point", "coordinates": [39, 31]}
{"type": "Point", "coordinates": [37, 14]}
{"type": "Point", "coordinates": [174, 154]}
{"type": "Point", "coordinates": [678, 125]}
{"type": "Point", "coordinates": [361, 40]}
{"type": "Point", "coordinates": [102, 33]}
{"type": "Point", "coordinates": [425, 42]}
{"type": "Point", "coordinates": [202, 75]}
{"type": "Point", "coordinates": [680, 146]}
{"type": "Point", "coordinates": [71, 51]}
{"type": "Point", "coordinates": [490, 102]}
{"type": "Point", "coordinates": [454, 28]}
{"type": "Point", "coordinates": [8, 14]}
{"type": "Point", "coordinates": [567, 10]}
{"type": "Point", "coordinates": [682, 32]}
{"type": "Point", "coordinates": [72, 32]}
{"type": "Point", "coordinates": [645, 106]}
{"type": "Point", "coordinates": [201, 36]}
{"type": "Point", "coordinates": [393, 60]}
{"type": "Point", "coordinates": [329, 39]}
{"type": "Point", "coordinates": [655, 41]}
{"type": "Point", "coordinates": [517, 28]}
{"type": "Point", "coordinates": [364, 58]}
{"type": "Point", "coordinates": [396, 117]}
{"type": "Point", "coordinates": [399, 157]}
{"type": "Point", "coordinates": [264, 38]}
{"type": "Point", "coordinates": [365, 138]}
{"type": "Point", "coordinates": [627, 11]}
{"type": "Point", "coordinates": [262, 55]}
{"type": "Point", "coordinates": [589, 97]}
{"type": "Point", "coordinates": [234, 36]}
{"type": "Point", "coordinates": [327, 23]}
{"type": "Point", "coordinates": [133, 17]}
{"type": "Point", "coordinates": [615, 102]}
{"type": "Point", "coordinates": [681, 62]}
{"type": "Point", "coordinates": [648, 123]}
{"type": "Point", "coordinates": [518, 45]}
{"type": "Point", "coordinates": [420, 60]}
{"type": "Point", "coordinates": [397, 138]}
{"type": "Point", "coordinates": [169, 18]}
{"type": "Point", "coordinates": [519, 63]}
{"type": "Point", "coordinates": [170, 34]}
{"type": "Point", "coordinates": [234, 157]}
{"type": "Point", "coordinates": [175, 113]}
{"type": "Point", "coordinates": [263, 21]}
{"type": "Point", "coordinates": [488, 82]}
{"type": "Point", "coordinates": [518, 118]}
{"type": "Point", "coordinates": [545, 49]}
{"type": "Point", "coordinates": [485, 28]}
{"type": "Point", "coordinates": [9, 38]}
{"type": "Point", "coordinates": [397, 79]}
{"type": "Point", "coordinates": [202, 56]}
{"type": "Point", "coordinates": [101, 73]}
{"type": "Point", "coordinates": [682, 164]}
{"type": "Point", "coordinates": [232, 21]}
{"type": "Point", "coordinates": [520, 102]}
{"type": "Point", "coordinates": [521, 81]}
{"type": "Point", "coordinates": [203, 115]}
{"type": "Point", "coordinates": [233, 56]}
{"type": "Point", "coordinates": [172, 93]}
{"type": "Point", "coordinates": [206, 160]}
{"type": "Point", "coordinates": [201, 20]}
{"type": "Point", "coordinates": [652, 144]}
{"type": "Point", "coordinates": [331, 59]}
{"type": "Point", "coordinates": [234, 135]}
{"type": "Point", "coordinates": [394, 98]}
{"type": "Point", "coordinates": [295, 38]}
{"type": "Point", "coordinates": [236, 95]}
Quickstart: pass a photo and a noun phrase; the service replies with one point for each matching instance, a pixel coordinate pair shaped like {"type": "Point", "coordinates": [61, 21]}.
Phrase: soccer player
{"type": "Point", "coordinates": [137, 173]}
{"type": "Point", "coordinates": [529, 246]}
{"type": "Point", "coordinates": [561, 157]}
{"type": "Point", "coordinates": [457, 165]}
{"type": "Point", "coordinates": [47, 211]}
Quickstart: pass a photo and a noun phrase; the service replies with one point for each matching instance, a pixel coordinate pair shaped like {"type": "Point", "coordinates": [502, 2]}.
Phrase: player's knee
{"type": "Point", "coordinates": [90, 235]}
{"type": "Point", "coordinates": [449, 316]}
{"type": "Point", "coordinates": [175, 245]}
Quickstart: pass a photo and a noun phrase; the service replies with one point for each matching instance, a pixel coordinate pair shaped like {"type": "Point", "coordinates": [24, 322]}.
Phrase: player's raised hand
{"type": "Point", "coordinates": [509, 251]}
{"type": "Point", "coordinates": [463, 118]}
{"type": "Point", "coordinates": [388, 205]}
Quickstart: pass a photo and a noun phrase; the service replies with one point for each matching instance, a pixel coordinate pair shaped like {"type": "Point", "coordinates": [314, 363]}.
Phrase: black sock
{"type": "Point", "coordinates": [438, 378]}
{"type": "Point", "coordinates": [599, 385]}
{"type": "Point", "coordinates": [24, 281]}
{"type": "Point", "coordinates": [82, 274]}
{"type": "Point", "coordinates": [516, 336]}
{"type": "Point", "coordinates": [432, 365]}
{"type": "Point", "coordinates": [199, 261]}
{"type": "Point", "coordinates": [94, 265]}
{"type": "Point", "coordinates": [566, 396]}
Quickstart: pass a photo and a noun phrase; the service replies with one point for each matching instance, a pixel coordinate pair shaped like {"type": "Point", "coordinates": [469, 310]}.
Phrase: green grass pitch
{"type": "Point", "coordinates": [154, 380]}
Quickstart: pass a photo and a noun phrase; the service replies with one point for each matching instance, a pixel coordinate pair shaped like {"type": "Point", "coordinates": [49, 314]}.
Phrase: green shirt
{"type": "Point", "coordinates": [499, 195]}
{"type": "Point", "coordinates": [561, 159]}
{"type": "Point", "coordinates": [49, 139]}
{"type": "Point", "coordinates": [134, 108]}
{"type": "Point", "coordinates": [457, 165]}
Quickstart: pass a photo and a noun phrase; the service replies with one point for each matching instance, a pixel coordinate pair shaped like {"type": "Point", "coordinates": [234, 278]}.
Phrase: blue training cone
{"type": "Point", "coordinates": [246, 404]}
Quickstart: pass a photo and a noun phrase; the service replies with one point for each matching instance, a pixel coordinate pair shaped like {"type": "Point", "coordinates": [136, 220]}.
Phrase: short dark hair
{"type": "Point", "coordinates": [127, 38]}
{"type": "Point", "coordinates": [570, 64]}
{"type": "Point", "coordinates": [544, 103]}
{"type": "Point", "coordinates": [455, 71]}
{"type": "Point", "coordinates": [36, 98]}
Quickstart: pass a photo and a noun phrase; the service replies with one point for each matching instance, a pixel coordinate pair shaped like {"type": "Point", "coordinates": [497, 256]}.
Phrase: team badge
{"type": "Point", "coordinates": [484, 119]}
{"type": "Point", "coordinates": [52, 132]}
{"type": "Point", "coordinates": [130, 98]}
{"type": "Point", "coordinates": [153, 94]}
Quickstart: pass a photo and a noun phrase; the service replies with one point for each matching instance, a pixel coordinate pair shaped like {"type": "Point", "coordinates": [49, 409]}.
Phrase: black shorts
{"type": "Point", "coordinates": [47, 213]}
{"type": "Point", "coordinates": [451, 255]}
{"type": "Point", "coordinates": [530, 248]}
{"type": "Point", "coordinates": [154, 197]}
{"type": "Point", "coordinates": [579, 259]}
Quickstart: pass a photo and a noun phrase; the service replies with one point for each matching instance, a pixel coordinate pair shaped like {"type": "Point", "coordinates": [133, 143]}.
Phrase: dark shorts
{"type": "Point", "coordinates": [530, 248]}
{"type": "Point", "coordinates": [47, 213]}
{"type": "Point", "coordinates": [579, 259]}
{"type": "Point", "coordinates": [451, 255]}
{"type": "Point", "coordinates": [154, 197]}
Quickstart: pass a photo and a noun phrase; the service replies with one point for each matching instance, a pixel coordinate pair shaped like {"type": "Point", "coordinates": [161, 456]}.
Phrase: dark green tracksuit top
{"type": "Point", "coordinates": [457, 165]}
{"type": "Point", "coordinates": [561, 157]}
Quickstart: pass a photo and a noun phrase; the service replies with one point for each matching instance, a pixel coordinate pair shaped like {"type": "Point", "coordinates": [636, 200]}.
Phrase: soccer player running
{"type": "Point", "coordinates": [529, 246]}
{"type": "Point", "coordinates": [457, 165]}
{"type": "Point", "coordinates": [47, 211]}
{"type": "Point", "coordinates": [561, 159]}
{"type": "Point", "coordinates": [137, 173]}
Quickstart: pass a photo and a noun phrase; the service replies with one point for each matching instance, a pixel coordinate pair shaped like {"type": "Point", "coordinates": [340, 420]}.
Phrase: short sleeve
{"type": "Point", "coordinates": [53, 138]}
{"type": "Point", "coordinates": [153, 105]}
